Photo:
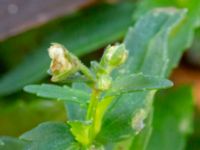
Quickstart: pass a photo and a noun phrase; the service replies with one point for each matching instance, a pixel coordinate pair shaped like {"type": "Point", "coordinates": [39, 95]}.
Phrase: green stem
{"type": "Point", "coordinates": [93, 104]}
{"type": "Point", "coordinates": [86, 72]}
{"type": "Point", "coordinates": [91, 113]}
{"type": "Point", "coordinates": [84, 69]}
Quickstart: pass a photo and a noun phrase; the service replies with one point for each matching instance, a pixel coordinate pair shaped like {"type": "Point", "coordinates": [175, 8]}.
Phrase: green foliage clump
{"type": "Point", "coordinates": [110, 104]}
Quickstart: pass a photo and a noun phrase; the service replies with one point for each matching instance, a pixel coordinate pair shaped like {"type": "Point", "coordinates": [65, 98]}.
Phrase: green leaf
{"type": "Point", "coordinates": [20, 115]}
{"type": "Point", "coordinates": [149, 52]}
{"type": "Point", "coordinates": [25, 73]}
{"type": "Point", "coordinates": [11, 143]}
{"type": "Point", "coordinates": [147, 44]}
{"type": "Point", "coordinates": [100, 111]}
{"type": "Point", "coordinates": [58, 92]}
{"type": "Point", "coordinates": [192, 5]}
{"type": "Point", "coordinates": [193, 53]}
{"type": "Point", "coordinates": [186, 30]}
{"type": "Point", "coordinates": [141, 140]}
{"type": "Point", "coordinates": [74, 110]}
{"type": "Point", "coordinates": [138, 82]}
{"type": "Point", "coordinates": [173, 117]}
{"type": "Point", "coordinates": [49, 136]}
{"type": "Point", "coordinates": [81, 33]}
{"type": "Point", "coordinates": [80, 130]}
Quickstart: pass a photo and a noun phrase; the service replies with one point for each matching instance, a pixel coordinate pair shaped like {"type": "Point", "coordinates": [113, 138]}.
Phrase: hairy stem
{"type": "Point", "coordinates": [87, 72]}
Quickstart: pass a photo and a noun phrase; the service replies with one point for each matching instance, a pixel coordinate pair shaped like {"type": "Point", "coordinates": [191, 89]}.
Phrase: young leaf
{"type": "Point", "coordinates": [8, 143]}
{"type": "Point", "coordinates": [172, 122]}
{"type": "Point", "coordinates": [51, 136]}
{"type": "Point", "coordinates": [138, 82]}
{"type": "Point", "coordinates": [80, 130]}
{"type": "Point", "coordinates": [100, 111]}
{"type": "Point", "coordinates": [58, 92]}
{"type": "Point", "coordinates": [147, 44]}
{"type": "Point", "coordinates": [70, 32]}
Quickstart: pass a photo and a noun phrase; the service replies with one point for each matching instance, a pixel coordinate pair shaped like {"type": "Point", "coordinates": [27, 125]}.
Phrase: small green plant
{"type": "Point", "coordinates": [109, 103]}
{"type": "Point", "coordinates": [101, 88]}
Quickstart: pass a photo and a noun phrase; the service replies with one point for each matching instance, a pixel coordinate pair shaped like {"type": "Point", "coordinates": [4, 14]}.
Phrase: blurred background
{"type": "Point", "coordinates": [85, 27]}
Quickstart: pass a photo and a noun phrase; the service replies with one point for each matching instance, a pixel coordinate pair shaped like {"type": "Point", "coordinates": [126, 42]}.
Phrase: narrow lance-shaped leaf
{"type": "Point", "coordinates": [176, 45]}
{"type": "Point", "coordinates": [137, 82]}
{"type": "Point", "coordinates": [58, 92]}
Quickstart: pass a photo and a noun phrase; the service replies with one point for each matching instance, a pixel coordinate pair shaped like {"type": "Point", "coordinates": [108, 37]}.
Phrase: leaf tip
{"type": "Point", "coordinates": [30, 88]}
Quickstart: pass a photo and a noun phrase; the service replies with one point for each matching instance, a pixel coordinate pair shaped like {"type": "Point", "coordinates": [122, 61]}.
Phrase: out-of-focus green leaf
{"type": "Point", "coordinates": [147, 44]}
{"type": "Point", "coordinates": [8, 143]}
{"type": "Point", "coordinates": [58, 92]}
{"type": "Point", "coordinates": [27, 114]}
{"type": "Point", "coordinates": [138, 82]}
{"type": "Point", "coordinates": [25, 73]}
{"type": "Point", "coordinates": [172, 120]}
{"type": "Point", "coordinates": [49, 136]}
{"type": "Point", "coordinates": [82, 33]}
{"type": "Point", "coordinates": [193, 141]}
{"type": "Point", "coordinates": [193, 54]}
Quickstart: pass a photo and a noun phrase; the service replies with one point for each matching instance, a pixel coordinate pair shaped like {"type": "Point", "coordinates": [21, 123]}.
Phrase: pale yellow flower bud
{"type": "Point", "coordinates": [62, 64]}
{"type": "Point", "coordinates": [115, 55]}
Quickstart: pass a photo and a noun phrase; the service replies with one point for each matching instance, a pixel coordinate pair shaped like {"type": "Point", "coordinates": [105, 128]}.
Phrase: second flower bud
{"type": "Point", "coordinates": [115, 55]}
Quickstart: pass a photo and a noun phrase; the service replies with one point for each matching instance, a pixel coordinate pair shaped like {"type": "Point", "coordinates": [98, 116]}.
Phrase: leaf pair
{"type": "Point", "coordinates": [124, 84]}
{"type": "Point", "coordinates": [81, 129]}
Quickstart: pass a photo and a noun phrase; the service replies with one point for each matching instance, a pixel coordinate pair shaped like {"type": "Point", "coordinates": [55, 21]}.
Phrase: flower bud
{"type": "Point", "coordinates": [115, 55]}
{"type": "Point", "coordinates": [104, 82]}
{"type": "Point", "coordinates": [62, 64]}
